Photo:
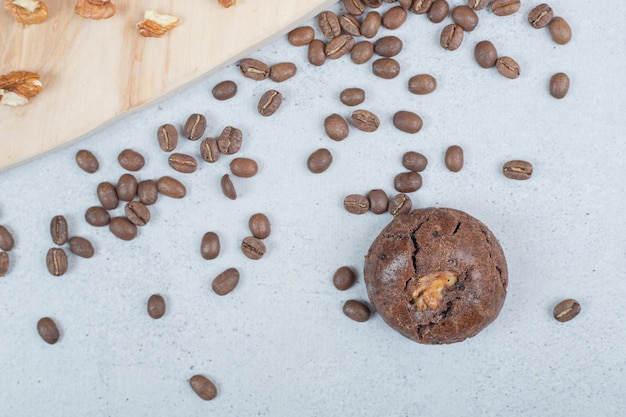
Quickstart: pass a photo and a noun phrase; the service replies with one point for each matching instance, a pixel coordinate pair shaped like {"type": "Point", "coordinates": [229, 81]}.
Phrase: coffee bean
{"type": "Point", "coordinates": [210, 245]}
{"type": "Point", "coordinates": [438, 11]}
{"type": "Point", "coordinates": [203, 387]}
{"type": "Point", "coordinates": [505, 7]}
{"type": "Point", "coordinates": [107, 194]}
{"type": "Point", "coordinates": [560, 31]}
{"type": "Point", "coordinates": [350, 24]}
{"type": "Point", "coordinates": [230, 140]}
{"type": "Point", "coordinates": [356, 310]}
{"type": "Point", "coordinates": [407, 182]}
{"type": "Point", "coordinates": [400, 204]}
{"type": "Point", "coordinates": [171, 187]}
{"type": "Point", "coordinates": [97, 216]}
{"type": "Point", "coordinates": [127, 187]}
{"type": "Point", "coordinates": [344, 278]}
{"type": "Point", "coordinates": [339, 46]}
{"type": "Point", "coordinates": [364, 120]}
{"type": "Point", "coordinates": [379, 202]}
{"type": "Point", "coordinates": [394, 18]}
{"type": "Point", "coordinates": [282, 71]}
{"type": "Point", "coordinates": [123, 228]}
{"type": "Point", "coordinates": [485, 54]}
{"type": "Point", "coordinates": [407, 121]}
{"type": "Point", "coordinates": [137, 213]}
{"type": "Point", "coordinates": [87, 161]}
{"type": "Point", "coordinates": [259, 225]}
{"type": "Point", "coordinates": [454, 158]}
{"type": "Point", "coordinates": [48, 330]}
{"type": "Point", "coordinates": [405, 4]}
{"type": "Point", "coordinates": [540, 16]}
{"type": "Point", "coordinates": [156, 306]}
{"type": "Point", "coordinates": [81, 247]}
{"type": "Point", "coordinates": [352, 96]}
{"type": "Point", "coordinates": [6, 239]}
{"type": "Point", "coordinates": [194, 126]}
{"type": "Point", "coordinates": [465, 17]}
{"type": "Point", "coordinates": [317, 52]}
{"type": "Point", "coordinates": [374, 4]}
{"type": "Point", "coordinates": [167, 136]}
{"type": "Point", "coordinates": [362, 52]}
{"type": "Point", "coordinates": [477, 4]}
{"type": "Point", "coordinates": [388, 46]}
{"type": "Point", "coordinates": [356, 204]}
{"type": "Point", "coordinates": [559, 85]}
{"type": "Point", "coordinates": [421, 6]}
{"type": "Point", "coordinates": [422, 84]}
{"type": "Point", "coordinates": [227, 187]}
{"type": "Point", "coordinates": [244, 167]}
{"type": "Point", "coordinates": [301, 36]}
{"type": "Point", "coordinates": [508, 67]}
{"type": "Point", "coordinates": [148, 192]}
{"type": "Point", "coordinates": [328, 23]}
{"type": "Point", "coordinates": [269, 103]}
{"type": "Point", "coordinates": [566, 310]}
{"type": "Point", "coordinates": [386, 68]}
{"type": "Point", "coordinates": [319, 161]}
{"type": "Point", "coordinates": [224, 90]}
{"type": "Point", "coordinates": [336, 127]}
{"type": "Point", "coordinates": [253, 248]}
{"type": "Point", "coordinates": [254, 69]}
{"type": "Point", "coordinates": [209, 150]}
{"type": "Point", "coordinates": [517, 170]}
{"type": "Point", "coordinates": [183, 163]}
{"type": "Point", "coordinates": [58, 230]}
{"type": "Point", "coordinates": [225, 282]}
{"type": "Point", "coordinates": [56, 261]}
{"type": "Point", "coordinates": [355, 7]}
{"type": "Point", "coordinates": [451, 37]}
{"type": "Point", "coordinates": [414, 161]}
{"type": "Point", "coordinates": [4, 263]}
{"type": "Point", "coordinates": [371, 25]}
{"type": "Point", "coordinates": [131, 160]}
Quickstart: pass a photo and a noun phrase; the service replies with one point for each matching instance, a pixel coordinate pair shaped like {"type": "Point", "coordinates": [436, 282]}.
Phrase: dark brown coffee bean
{"type": "Point", "coordinates": [477, 4]}
{"type": "Point", "coordinates": [344, 278]}
{"type": "Point", "coordinates": [210, 245]}
{"type": "Point", "coordinates": [6, 239]}
{"type": "Point", "coordinates": [254, 69]}
{"type": "Point", "coordinates": [156, 306]}
{"type": "Point", "coordinates": [407, 121]}
{"type": "Point", "coordinates": [123, 228]}
{"type": "Point", "coordinates": [508, 67]}
{"type": "Point", "coordinates": [379, 202]}
{"type": "Point", "coordinates": [282, 71]}
{"type": "Point", "coordinates": [127, 187]}
{"type": "Point", "coordinates": [414, 161]}
{"type": "Point", "coordinates": [388, 46]}
{"type": "Point", "coordinates": [517, 170]}
{"type": "Point", "coordinates": [560, 31]}
{"type": "Point", "coordinates": [137, 213]}
{"type": "Point", "coordinates": [394, 18]}
{"type": "Point", "coordinates": [224, 90]}
{"type": "Point", "coordinates": [339, 46]}
{"type": "Point", "coordinates": [540, 16]}
{"type": "Point", "coordinates": [352, 96]}
{"type": "Point", "coordinates": [454, 158]}
{"type": "Point", "coordinates": [171, 187]}
{"type": "Point", "coordinates": [356, 204]}
{"type": "Point", "coordinates": [364, 120]}
{"type": "Point", "coordinates": [167, 136]}
{"type": "Point", "coordinates": [465, 17]}
{"type": "Point", "coordinates": [355, 7]}
{"type": "Point", "coordinates": [81, 247]}
{"type": "Point", "coordinates": [566, 310]}
{"type": "Point", "coordinates": [107, 194]}
{"type": "Point", "coordinates": [374, 4]}
{"type": "Point", "coordinates": [559, 85]}
{"type": "Point", "coordinates": [438, 11]}
{"type": "Point", "coordinates": [230, 140]}
{"type": "Point", "coordinates": [386, 68]}
{"type": "Point", "coordinates": [317, 52]}
{"type": "Point", "coordinates": [407, 182]}
{"type": "Point", "coordinates": [362, 52]}
{"type": "Point", "coordinates": [253, 248]}
{"type": "Point", "coordinates": [371, 24]}
{"type": "Point", "coordinates": [505, 7]}
{"type": "Point", "coordinates": [421, 6]}
{"type": "Point", "coordinates": [328, 23]}
{"type": "Point", "coordinates": [269, 103]}
{"type": "Point", "coordinates": [227, 187]}
{"type": "Point", "coordinates": [357, 310]}
{"type": "Point", "coordinates": [336, 127]}
{"type": "Point", "coordinates": [131, 160]}
{"type": "Point", "coordinates": [48, 330]}
{"type": "Point", "coordinates": [183, 163]}
{"type": "Point", "coordinates": [405, 4]}
{"type": "Point", "coordinates": [350, 24]}
{"type": "Point", "coordinates": [56, 261]}
{"type": "Point", "coordinates": [225, 282]}
{"type": "Point", "coordinates": [97, 216]}
{"type": "Point", "coordinates": [422, 84]}
{"type": "Point", "coordinates": [301, 36]}
{"type": "Point", "coordinates": [319, 161]}
{"type": "Point", "coordinates": [148, 192]}
{"type": "Point", "coordinates": [194, 126]}
{"type": "Point", "coordinates": [4, 263]}
{"type": "Point", "coordinates": [485, 54]}
{"type": "Point", "coordinates": [209, 150]}
{"type": "Point", "coordinates": [244, 167]}
{"type": "Point", "coordinates": [203, 387]}
{"type": "Point", "coordinates": [400, 204]}
{"type": "Point", "coordinates": [451, 37]}
{"type": "Point", "coordinates": [259, 225]}
{"type": "Point", "coordinates": [87, 161]}
{"type": "Point", "coordinates": [58, 230]}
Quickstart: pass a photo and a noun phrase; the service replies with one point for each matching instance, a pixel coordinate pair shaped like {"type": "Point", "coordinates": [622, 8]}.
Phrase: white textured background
{"type": "Point", "coordinates": [279, 344]}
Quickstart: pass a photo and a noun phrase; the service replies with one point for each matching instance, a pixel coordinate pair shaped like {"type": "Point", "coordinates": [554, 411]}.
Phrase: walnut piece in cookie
{"type": "Point", "coordinates": [155, 25]}
{"type": "Point", "coordinates": [227, 3]}
{"type": "Point", "coordinates": [94, 9]}
{"type": "Point", "coordinates": [28, 12]}
{"type": "Point", "coordinates": [17, 87]}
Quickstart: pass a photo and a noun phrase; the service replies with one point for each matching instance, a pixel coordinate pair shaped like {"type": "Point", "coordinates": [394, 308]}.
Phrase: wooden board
{"type": "Point", "coordinates": [94, 71]}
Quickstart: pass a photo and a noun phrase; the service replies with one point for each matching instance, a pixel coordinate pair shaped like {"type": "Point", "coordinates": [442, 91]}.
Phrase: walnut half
{"type": "Point", "coordinates": [94, 9]}
{"type": "Point", "coordinates": [155, 25]}
{"type": "Point", "coordinates": [28, 12]}
{"type": "Point", "coordinates": [18, 86]}
{"type": "Point", "coordinates": [429, 290]}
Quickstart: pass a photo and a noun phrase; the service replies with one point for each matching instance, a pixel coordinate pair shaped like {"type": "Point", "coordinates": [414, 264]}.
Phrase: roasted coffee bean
{"type": "Point", "coordinates": [137, 213]}
{"type": "Point", "coordinates": [225, 282]}
{"type": "Point", "coordinates": [253, 248]}
{"type": "Point", "coordinates": [156, 306]}
{"type": "Point", "coordinates": [407, 182]}
{"type": "Point", "coordinates": [319, 161]}
{"type": "Point", "coordinates": [374, 4]}
{"type": "Point", "coordinates": [107, 194]}
{"type": "Point", "coordinates": [405, 4]}
{"type": "Point", "coordinates": [559, 85]}
{"type": "Point", "coordinates": [6, 239]}
{"type": "Point", "coordinates": [131, 160]}
{"type": "Point", "coordinates": [394, 18]}
{"type": "Point", "coordinates": [477, 4]}
{"type": "Point", "coordinates": [451, 37]}
{"type": "Point", "coordinates": [210, 245]}
{"type": "Point", "coordinates": [465, 17]}
{"type": "Point", "coordinates": [123, 228]}
{"type": "Point", "coordinates": [350, 24]}
{"type": "Point", "coordinates": [421, 6]}
{"type": "Point", "coordinates": [438, 11]}
{"type": "Point", "coordinates": [339, 46]}
{"type": "Point", "coordinates": [183, 163]}
{"type": "Point", "coordinates": [357, 310]}
{"type": "Point", "coordinates": [224, 90]}
{"type": "Point", "coordinates": [254, 69]}
{"type": "Point", "coordinates": [356, 204]}
{"type": "Point", "coordinates": [328, 23]}
{"type": "Point", "coordinates": [422, 84]}
{"type": "Point", "coordinates": [362, 52]}
{"type": "Point", "coordinates": [56, 261]}
{"type": "Point", "coordinates": [540, 16]}
{"type": "Point", "coordinates": [148, 192]}
{"type": "Point", "coordinates": [97, 216]}
{"type": "Point", "coordinates": [58, 230]}
{"type": "Point", "coordinates": [407, 121]}
{"type": "Point", "coordinates": [171, 187]}
{"type": "Point", "coordinates": [505, 7]}
{"type": "Point", "coordinates": [354, 7]}
{"type": "Point", "coordinates": [167, 136]}
{"type": "Point", "coordinates": [202, 386]}
{"type": "Point", "coordinates": [388, 46]}
{"type": "Point", "coordinates": [317, 52]}
{"type": "Point", "coordinates": [269, 103]}
{"type": "Point", "coordinates": [379, 202]}
{"type": "Point", "coordinates": [227, 187]}
{"type": "Point", "coordinates": [371, 24]}
{"type": "Point", "coordinates": [485, 54]}
{"type": "Point", "coordinates": [344, 278]}
{"type": "Point", "coordinates": [560, 31]}
{"type": "Point", "coordinates": [259, 225]}
{"type": "Point", "coordinates": [209, 150]}
{"type": "Point", "coordinates": [364, 120]}
{"type": "Point", "coordinates": [386, 68]}
{"type": "Point", "coordinates": [414, 161]}
{"type": "Point", "coordinates": [87, 161]}
{"type": "Point", "coordinates": [282, 71]}
{"type": "Point", "coordinates": [244, 167]}
{"type": "Point", "coordinates": [400, 204]}
{"type": "Point", "coordinates": [508, 67]}
{"type": "Point", "coordinates": [517, 170]}
{"type": "Point", "coordinates": [566, 310]}
{"type": "Point", "coordinates": [336, 127]}
{"type": "Point", "coordinates": [194, 126]}
{"type": "Point", "coordinates": [352, 96]}
{"type": "Point", "coordinates": [127, 187]}
{"type": "Point", "coordinates": [48, 330]}
{"type": "Point", "coordinates": [4, 263]}
{"type": "Point", "coordinates": [81, 247]}
{"type": "Point", "coordinates": [454, 158]}
{"type": "Point", "coordinates": [230, 140]}
{"type": "Point", "coordinates": [301, 36]}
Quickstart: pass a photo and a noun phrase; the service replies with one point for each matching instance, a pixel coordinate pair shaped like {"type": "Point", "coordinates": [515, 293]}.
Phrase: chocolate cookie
{"type": "Point", "coordinates": [436, 275]}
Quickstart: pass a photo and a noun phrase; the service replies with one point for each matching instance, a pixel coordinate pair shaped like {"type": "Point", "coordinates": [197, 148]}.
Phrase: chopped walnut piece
{"type": "Point", "coordinates": [227, 3]}
{"type": "Point", "coordinates": [428, 292]}
{"type": "Point", "coordinates": [155, 25]}
{"type": "Point", "coordinates": [18, 86]}
{"type": "Point", "coordinates": [29, 12]}
{"type": "Point", "coordinates": [94, 9]}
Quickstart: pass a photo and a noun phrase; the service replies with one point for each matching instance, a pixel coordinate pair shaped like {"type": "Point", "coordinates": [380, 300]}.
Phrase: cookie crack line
{"type": "Point", "coordinates": [492, 259]}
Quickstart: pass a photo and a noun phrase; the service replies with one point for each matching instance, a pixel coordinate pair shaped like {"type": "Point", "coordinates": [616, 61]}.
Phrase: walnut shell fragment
{"type": "Point", "coordinates": [155, 25]}
{"type": "Point", "coordinates": [28, 12]}
{"type": "Point", "coordinates": [17, 87]}
{"type": "Point", "coordinates": [94, 9]}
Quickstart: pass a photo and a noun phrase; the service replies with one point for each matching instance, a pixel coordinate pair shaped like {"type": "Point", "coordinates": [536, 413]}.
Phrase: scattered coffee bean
{"type": "Point", "coordinates": [371, 24]}
{"type": "Point", "coordinates": [421, 6]}
{"type": "Point", "coordinates": [244, 167]}
{"type": "Point", "coordinates": [379, 202]}
{"type": "Point", "coordinates": [328, 23]}
{"type": "Point", "coordinates": [156, 306]}
{"type": "Point", "coordinates": [167, 136]}
{"type": "Point", "coordinates": [485, 54]}
{"type": "Point", "coordinates": [194, 126]}
{"type": "Point", "coordinates": [357, 310]}
{"type": "Point", "coordinates": [414, 161]}
{"type": "Point", "coordinates": [438, 11]}
{"type": "Point", "coordinates": [209, 150]}
{"type": "Point", "coordinates": [517, 170]}
{"type": "Point", "coordinates": [317, 52]}
{"type": "Point", "coordinates": [362, 52]}
{"type": "Point", "coordinates": [210, 245]}
{"type": "Point", "coordinates": [344, 278]}
{"type": "Point", "coordinates": [451, 37]}
{"type": "Point", "coordinates": [505, 7]}
{"type": "Point", "coordinates": [224, 90]}
{"type": "Point", "coordinates": [388, 46]}
{"type": "Point", "coordinates": [407, 121]}
{"type": "Point", "coordinates": [508, 67]}
{"type": "Point", "coordinates": [137, 213]}
{"type": "Point", "coordinates": [301, 36]}
{"type": "Point", "coordinates": [540, 16]}
{"type": "Point", "coordinates": [127, 187]}
{"type": "Point", "coordinates": [465, 17]}
{"type": "Point", "coordinates": [477, 4]}
{"type": "Point", "coordinates": [81, 247]}
{"type": "Point", "coordinates": [404, 3]}
{"type": "Point", "coordinates": [48, 330]}
{"type": "Point", "coordinates": [269, 103]}
{"type": "Point", "coordinates": [230, 140]}
{"type": "Point", "coordinates": [282, 71]}
{"type": "Point", "coordinates": [225, 282]}
{"type": "Point", "coordinates": [59, 230]}
{"type": "Point", "coordinates": [254, 69]}
{"type": "Point", "coordinates": [355, 7]}
{"type": "Point", "coordinates": [407, 182]}
{"type": "Point", "coordinates": [400, 204]}
{"type": "Point", "coordinates": [97, 216]}
{"type": "Point", "coordinates": [336, 127]}
{"type": "Point", "coordinates": [422, 84]}
{"type": "Point", "coordinates": [350, 24]}
{"type": "Point", "coordinates": [87, 161]}
{"type": "Point", "coordinates": [339, 46]}
{"type": "Point", "coordinates": [560, 31]}
{"type": "Point", "coordinates": [131, 160]}
{"type": "Point", "coordinates": [56, 261]}
{"type": "Point", "coordinates": [352, 96]}
{"type": "Point", "coordinates": [356, 204]}
{"type": "Point", "coordinates": [107, 194]}
{"type": "Point", "coordinates": [566, 310]}
{"type": "Point", "coordinates": [171, 187]}
{"type": "Point", "coordinates": [364, 120]}
{"type": "Point", "coordinates": [454, 158]}
{"type": "Point", "coordinates": [559, 85]}
{"type": "Point", "coordinates": [259, 225]}
{"type": "Point", "coordinates": [183, 163]}
{"type": "Point", "coordinates": [4, 263]}
{"type": "Point", "coordinates": [227, 187]}
{"type": "Point", "coordinates": [386, 68]}
{"type": "Point", "coordinates": [123, 228]}
{"type": "Point", "coordinates": [148, 192]}
{"type": "Point", "coordinates": [202, 386]}
{"type": "Point", "coordinates": [394, 18]}
{"type": "Point", "coordinates": [6, 239]}
{"type": "Point", "coordinates": [319, 161]}
{"type": "Point", "coordinates": [253, 248]}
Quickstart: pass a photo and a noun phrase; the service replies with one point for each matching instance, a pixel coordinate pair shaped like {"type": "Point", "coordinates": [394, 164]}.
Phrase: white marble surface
{"type": "Point", "coordinates": [279, 345]}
